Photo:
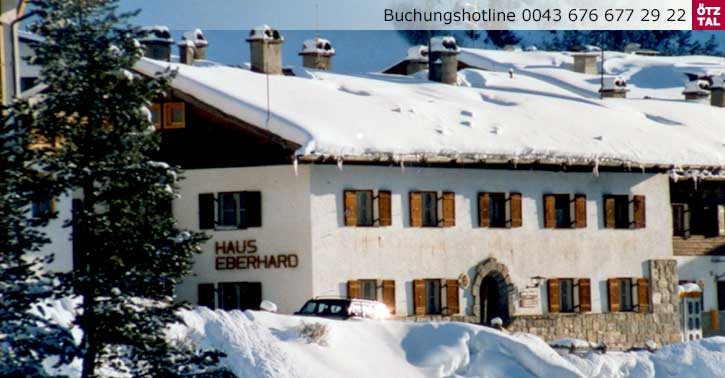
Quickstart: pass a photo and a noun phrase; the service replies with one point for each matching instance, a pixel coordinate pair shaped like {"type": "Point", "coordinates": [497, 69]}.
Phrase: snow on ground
{"type": "Point", "coordinates": [525, 118]}
{"type": "Point", "coordinates": [267, 345]}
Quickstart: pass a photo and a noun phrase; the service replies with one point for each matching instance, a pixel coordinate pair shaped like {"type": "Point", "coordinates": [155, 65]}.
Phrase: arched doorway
{"type": "Point", "coordinates": [492, 292]}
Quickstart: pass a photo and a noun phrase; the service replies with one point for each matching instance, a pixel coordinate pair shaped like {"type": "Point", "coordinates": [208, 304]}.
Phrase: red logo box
{"type": "Point", "coordinates": [708, 14]}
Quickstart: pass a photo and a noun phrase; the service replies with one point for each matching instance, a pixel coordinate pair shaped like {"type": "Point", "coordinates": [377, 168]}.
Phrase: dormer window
{"type": "Point", "coordinates": [174, 115]}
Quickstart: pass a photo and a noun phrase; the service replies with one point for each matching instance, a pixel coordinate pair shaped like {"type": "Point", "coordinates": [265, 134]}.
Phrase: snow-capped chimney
{"type": "Point", "coordinates": [157, 42]}
{"type": "Point", "coordinates": [196, 37]}
{"type": "Point", "coordinates": [187, 52]}
{"type": "Point", "coordinates": [443, 60]}
{"type": "Point", "coordinates": [717, 91]}
{"type": "Point", "coordinates": [696, 90]}
{"type": "Point", "coordinates": [614, 87]}
{"type": "Point", "coordinates": [417, 60]}
{"type": "Point", "coordinates": [265, 45]}
{"type": "Point", "coordinates": [317, 54]}
{"type": "Point", "coordinates": [585, 63]}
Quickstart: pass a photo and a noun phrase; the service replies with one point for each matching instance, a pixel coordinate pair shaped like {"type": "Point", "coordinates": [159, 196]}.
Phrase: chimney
{"type": "Point", "coordinates": [417, 60]}
{"type": "Point", "coordinates": [585, 63]}
{"type": "Point", "coordinates": [196, 37]}
{"type": "Point", "coordinates": [696, 90]}
{"type": "Point", "coordinates": [265, 45]}
{"type": "Point", "coordinates": [187, 52]}
{"type": "Point", "coordinates": [614, 87]}
{"type": "Point", "coordinates": [443, 60]}
{"type": "Point", "coordinates": [157, 42]}
{"type": "Point", "coordinates": [317, 54]}
{"type": "Point", "coordinates": [717, 91]}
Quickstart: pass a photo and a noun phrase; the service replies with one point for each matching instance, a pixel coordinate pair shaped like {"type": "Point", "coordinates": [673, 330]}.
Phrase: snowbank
{"type": "Point", "coordinates": [266, 345]}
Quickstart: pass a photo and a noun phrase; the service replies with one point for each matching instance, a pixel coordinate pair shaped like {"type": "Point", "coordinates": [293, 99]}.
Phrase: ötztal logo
{"type": "Point", "coordinates": [708, 14]}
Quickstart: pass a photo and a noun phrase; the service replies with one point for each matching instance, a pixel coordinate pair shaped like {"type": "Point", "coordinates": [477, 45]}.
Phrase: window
{"type": "Point", "coordinates": [497, 209]}
{"type": "Point", "coordinates": [566, 292]}
{"type": "Point", "coordinates": [42, 207]}
{"type": "Point", "coordinates": [562, 211]}
{"type": "Point", "coordinates": [174, 115]}
{"type": "Point", "coordinates": [721, 295]}
{"type": "Point", "coordinates": [230, 209]}
{"type": "Point", "coordinates": [429, 209]}
{"type": "Point", "coordinates": [206, 295]}
{"type": "Point", "coordinates": [621, 211]}
{"type": "Point", "coordinates": [617, 210]}
{"type": "Point", "coordinates": [359, 208]}
{"type": "Point", "coordinates": [240, 295]}
{"type": "Point", "coordinates": [364, 209]}
{"type": "Point", "coordinates": [558, 211]}
{"type": "Point", "coordinates": [369, 290]}
{"type": "Point", "coordinates": [680, 219]}
{"type": "Point", "coordinates": [625, 294]}
{"type": "Point", "coordinates": [433, 297]}
{"type": "Point", "coordinates": [155, 110]}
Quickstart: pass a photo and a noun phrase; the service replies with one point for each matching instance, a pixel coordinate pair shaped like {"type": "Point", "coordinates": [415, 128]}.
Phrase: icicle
{"type": "Point", "coordinates": [402, 166]}
{"type": "Point", "coordinates": [339, 163]}
{"type": "Point", "coordinates": [674, 176]}
{"type": "Point", "coordinates": [295, 165]}
{"type": "Point", "coordinates": [595, 171]}
{"type": "Point", "coordinates": [515, 161]}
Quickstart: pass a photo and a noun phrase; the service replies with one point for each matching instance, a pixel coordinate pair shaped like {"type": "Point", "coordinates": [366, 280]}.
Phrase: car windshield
{"type": "Point", "coordinates": [326, 307]}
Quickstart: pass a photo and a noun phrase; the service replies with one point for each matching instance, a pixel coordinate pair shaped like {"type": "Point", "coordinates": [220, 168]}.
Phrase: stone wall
{"type": "Point", "coordinates": [619, 330]}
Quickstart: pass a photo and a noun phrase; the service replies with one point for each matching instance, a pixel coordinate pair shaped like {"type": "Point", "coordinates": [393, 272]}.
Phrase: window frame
{"type": "Point", "coordinates": [169, 108]}
{"type": "Point", "coordinates": [497, 198]}
{"type": "Point", "coordinates": [626, 294]}
{"type": "Point", "coordinates": [241, 210]}
{"type": "Point", "coordinates": [570, 285]}
{"type": "Point", "coordinates": [679, 219]}
{"type": "Point", "coordinates": [562, 202]}
{"type": "Point", "coordinates": [370, 207]}
{"type": "Point", "coordinates": [622, 208]}
{"type": "Point", "coordinates": [436, 219]}
{"type": "Point", "coordinates": [433, 287]}
{"type": "Point", "coordinates": [155, 108]}
{"type": "Point", "coordinates": [367, 282]}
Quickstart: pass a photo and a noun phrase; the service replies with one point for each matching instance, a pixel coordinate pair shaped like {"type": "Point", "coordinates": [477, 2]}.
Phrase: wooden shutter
{"type": "Point", "coordinates": [449, 209]}
{"type": "Point", "coordinates": [585, 295]}
{"type": "Point", "coordinates": [643, 295]}
{"type": "Point", "coordinates": [419, 297]}
{"type": "Point", "coordinates": [549, 211]}
{"type": "Point", "coordinates": [484, 217]}
{"type": "Point", "coordinates": [639, 212]}
{"type": "Point", "coordinates": [350, 208]}
{"type": "Point", "coordinates": [613, 289]}
{"type": "Point", "coordinates": [609, 213]}
{"type": "Point", "coordinates": [452, 297]}
{"type": "Point", "coordinates": [416, 208]}
{"type": "Point", "coordinates": [389, 294]}
{"type": "Point", "coordinates": [353, 289]}
{"type": "Point", "coordinates": [515, 210]}
{"type": "Point", "coordinates": [206, 211]}
{"type": "Point", "coordinates": [580, 210]}
{"type": "Point", "coordinates": [384, 211]}
{"type": "Point", "coordinates": [253, 207]}
{"type": "Point", "coordinates": [553, 295]}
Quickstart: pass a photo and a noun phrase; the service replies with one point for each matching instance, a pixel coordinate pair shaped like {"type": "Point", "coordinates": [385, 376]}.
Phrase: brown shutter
{"type": "Point", "coordinates": [449, 209]}
{"type": "Point", "coordinates": [353, 289]}
{"type": "Point", "coordinates": [549, 211]}
{"type": "Point", "coordinates": [206, 211]}
{"type": "Point", "coordinates": [384, 212]}
{"type": "Point", "coordinates": [515, 210]}
{"type": "Point", "coordinates": [350, 208]}
{"type": "Point", "coordinates": [452, 297]}
{"type": "Point", "coordinates": [419, 297]}
{"type": "Point", "coordinates": [613, 288]}
{"type": "Point", "coordinates": [585, 295]}
{"type": "Point", "coordinates": [416, 204]}
{"type": "Point", "coordinates": [484, 218]}
{"type": "Point", "coordinates": [609, 217]}
{"type": "Point", "coordinates": [389, 294]}
{"type": "Point", "coordinates": [553, 295]}
{"type": "Point", "coordinates": [580, 210]}
{"type": "Point", "coordinates": [643, 295]}
{"type": "Point", "coordinates": [639, 212]}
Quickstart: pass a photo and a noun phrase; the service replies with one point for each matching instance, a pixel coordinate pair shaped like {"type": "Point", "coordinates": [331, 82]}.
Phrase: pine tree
{"type": "Point", "coordinates": [711, 46]}
{"type": "Point", "coordinates": [130, 253]}
{"type": "Point", "coordinates": [501, 38]}
{"type": "Point", "coordinates": [28, 338]}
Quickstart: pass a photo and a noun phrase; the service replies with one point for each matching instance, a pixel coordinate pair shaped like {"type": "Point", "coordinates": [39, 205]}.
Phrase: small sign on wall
{"type": "Point", "coordinates": [529, 298]}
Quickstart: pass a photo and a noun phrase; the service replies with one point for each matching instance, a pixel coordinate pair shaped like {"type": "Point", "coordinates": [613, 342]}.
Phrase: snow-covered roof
{"type": "Point", "coordinates": [196, 37]}
{"type": "Point", "coordinates": [317, 45]}
{"type": "Point", "coordinates": [157, 33]}
{"type": "Point", "coordinates": [531, 117]}
{"type": "Point", "coordinates": [264, 33]}
{"type": "Point", "coordinates": [444, 44]}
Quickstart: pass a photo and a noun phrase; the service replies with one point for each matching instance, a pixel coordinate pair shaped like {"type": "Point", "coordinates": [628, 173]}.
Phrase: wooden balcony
{"type": "Point", "coordinates": [698, 245]}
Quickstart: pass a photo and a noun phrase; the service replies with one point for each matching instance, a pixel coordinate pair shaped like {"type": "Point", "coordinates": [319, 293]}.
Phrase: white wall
{"type": "Point", "coordinates": [707, 269]}
{"type": "Point", "coordinates": [285, 229]}
{"type": "Point", "coordinates": [404, 253]}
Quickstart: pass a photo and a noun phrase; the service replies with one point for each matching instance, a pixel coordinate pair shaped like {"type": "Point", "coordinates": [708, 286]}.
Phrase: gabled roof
{"type": "Point", "coordinates": [529, 118]}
